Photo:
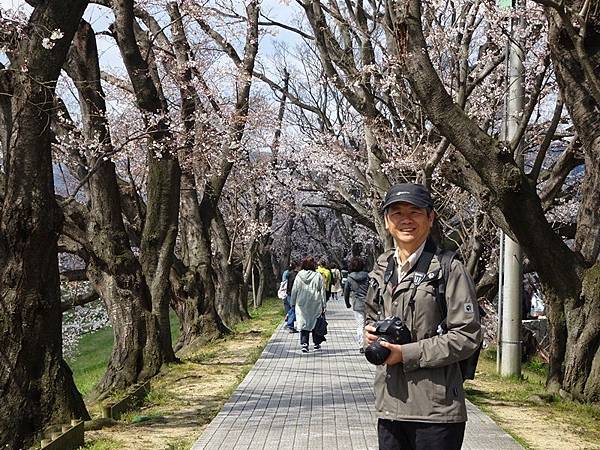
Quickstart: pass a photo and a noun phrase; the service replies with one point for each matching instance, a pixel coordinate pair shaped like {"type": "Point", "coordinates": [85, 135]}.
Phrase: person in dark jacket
{"type": "Point", "coordinates": [291, 277]}
{"type": "Point", "coordinates": [355, 293]}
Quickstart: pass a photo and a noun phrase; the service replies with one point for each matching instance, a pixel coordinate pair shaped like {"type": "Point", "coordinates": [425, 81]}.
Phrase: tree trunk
{"type": "Point", "coordinates": [229, 275]}
{"type": "Point", "coordinates": [582, 360]}
{"type": "Point", "coordinates": [160, 227]}
{"type": "Point", "coordinates": [557, 338]}
{"type": "Point", "coordinates": [285, 257]}
{"type": "Point", "coordinates": [577, 93]}
{"type": "Point", "coordinates": [194, 299]}
{"type": "Point", "coordinates": [579, 90]}
{"type": "Point", "coordinates": [197, 322]}
{"type": "Point", "coordinates": [136, 354]}
{"type": "Point", "coordinates": [37, 386]}
{"type": "Point", "coordinates": [379, 184]}
{"type": "Point", "coordinates": [260, 291]}
{"type": "Point", "coordinates": [195, 305]}
{"type": "Point", "coordinates": [508, 190]}
{"type": "Point", "coordinates": [6, 126]}
{"type": "Point", "coordinates": [158, 241]}
{"type": "Point", "coordinates": [228, 293]}
{"type": "Point", "coordinates": [112, 267]}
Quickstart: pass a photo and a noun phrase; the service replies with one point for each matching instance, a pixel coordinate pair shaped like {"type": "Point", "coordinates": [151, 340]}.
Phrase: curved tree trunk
{"type": "Point", "coordinates": [195, 299]}
{"type": "Point", "coordinates": [572, 57]}
{"type": "Point", "coordinates": [36, 385]}
{"type": "Point", "coordinates": [507, 189]}
{"type": "Point", "coordinates": [112, 267]}
{"type": "Point", "coordinates": [160, 227]}
{"type": "Point", "coordinates": [582, 360]}
{"type": "Point", "coordinates": [136, 354]}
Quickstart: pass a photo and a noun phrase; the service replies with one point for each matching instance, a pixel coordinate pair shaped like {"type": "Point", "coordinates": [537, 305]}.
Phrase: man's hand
{"type": "Point", "coordinates": [369, 336]}
{"type": "Point", "coordinates": [395, 349]}
{"type": "Point", "coordinates": [395, 353]}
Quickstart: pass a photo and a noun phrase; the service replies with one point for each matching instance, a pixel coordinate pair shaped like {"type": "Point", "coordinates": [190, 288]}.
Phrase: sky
{"type": "Point", "coordinates": [110, 59]}
{"type": "Point", "coordinates": [100, 18]}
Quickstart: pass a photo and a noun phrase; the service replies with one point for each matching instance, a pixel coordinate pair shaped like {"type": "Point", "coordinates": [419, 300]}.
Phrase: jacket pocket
{"type": "Point", "coordinates": [379, 388]}
{"type": "Point", "coordinates": [441, 386]}
{"type": "Point", "coordinates": [427, 312]}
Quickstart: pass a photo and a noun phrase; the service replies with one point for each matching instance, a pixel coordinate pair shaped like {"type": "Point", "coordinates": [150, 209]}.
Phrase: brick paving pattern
{"type": "Point", "coordinates": [320, 400]}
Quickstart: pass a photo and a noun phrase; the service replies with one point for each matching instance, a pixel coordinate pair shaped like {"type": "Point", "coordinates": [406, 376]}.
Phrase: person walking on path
{"type": "Point", "coordinates": [282, 293]}
{"type": "Point", "coordinates": [326, 274]}
{"type": "Point", "coordinates": [308, 298]}
{"type": "Point", "coordinates": [291, 314]}
{"type": "Point", "coordinates": [355, 293]}
{"type": "Point", "coordinates": [419, 393]}
{"type": "Point", "coordinates": [336, 282]}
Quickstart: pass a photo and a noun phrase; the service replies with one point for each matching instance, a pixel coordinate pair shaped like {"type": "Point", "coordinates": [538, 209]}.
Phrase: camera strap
{"type": "Point", "coordinates": [419, 274]}
{"type": "Point", "coordinates": [390, 276]}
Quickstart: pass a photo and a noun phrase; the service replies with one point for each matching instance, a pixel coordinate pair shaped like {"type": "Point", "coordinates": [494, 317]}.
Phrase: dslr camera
{"type": "Point", "coordinates": [392, 330]}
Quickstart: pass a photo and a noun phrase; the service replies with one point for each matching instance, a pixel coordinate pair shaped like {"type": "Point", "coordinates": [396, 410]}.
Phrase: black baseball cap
{"type": "Point", "coordinates": [415, 194]}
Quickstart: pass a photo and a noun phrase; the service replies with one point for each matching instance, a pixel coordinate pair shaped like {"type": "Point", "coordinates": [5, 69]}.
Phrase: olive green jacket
{"type": "Point", "coordinates": [427, 386]}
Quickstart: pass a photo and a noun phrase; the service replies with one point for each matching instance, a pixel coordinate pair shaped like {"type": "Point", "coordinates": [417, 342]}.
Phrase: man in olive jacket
{"type": "Point", "coordinates": [419, 392]}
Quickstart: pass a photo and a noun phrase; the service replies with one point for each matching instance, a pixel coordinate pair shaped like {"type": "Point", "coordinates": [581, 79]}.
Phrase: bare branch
{"type": "Point", "coordinates": [541, 155]}
{"type": "Point", "coordinates": [220, 39]}
{"type": "Point", "coordinates": [270, 22]}
{"type": "Point", "coordinates": [116, 81]}
{"type": "Point", "coordinates": [74, 275]}
{"type": "Point", "coordinates": [80, 300]}
{"type": "Point", "coordinates": [569, 159]}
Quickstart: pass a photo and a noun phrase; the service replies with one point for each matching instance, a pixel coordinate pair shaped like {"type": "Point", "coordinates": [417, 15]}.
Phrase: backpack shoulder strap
{"type": "Point", "coordinates": [445, 257]}
{"type": "Point", "coordinates": [422, 266]}
{"type": "Point", "coordinates": [390, 274]}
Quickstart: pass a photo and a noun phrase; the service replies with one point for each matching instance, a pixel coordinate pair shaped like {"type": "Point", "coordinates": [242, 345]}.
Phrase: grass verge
{"type": "Point", "coordinates": [185, 397]}
{"type": "Point", "coordinates": [522, 407]}
{"type": "Point", "coordinates": [93, 353]}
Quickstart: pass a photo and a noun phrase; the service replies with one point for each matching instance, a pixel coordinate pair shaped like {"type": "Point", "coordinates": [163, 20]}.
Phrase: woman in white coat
{"type": "Point", "coordinates": [308, 299]}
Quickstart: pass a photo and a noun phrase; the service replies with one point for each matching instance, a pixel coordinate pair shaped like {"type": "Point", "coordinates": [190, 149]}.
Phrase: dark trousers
{"type": "Point", "coordinates": [397, 435]}
{"type": "Point", "coordinates": [317, 338]}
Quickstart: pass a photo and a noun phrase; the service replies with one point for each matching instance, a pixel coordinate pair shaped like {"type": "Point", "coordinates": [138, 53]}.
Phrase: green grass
{"type": "Point", "coordinates": [93, 354]}
{"type": "Point", "coordinates": [529, 391]}
{"type": "Point", "coordinates": [101, 444]}
{"type": "Point", "coordinates": [266, 317]}
{"type": "Point", "coordinates": [514, 389]}
{"type": "Point", "coordinates": [95, 348]}
{"type": "Point", "coordinates": [180, 444]}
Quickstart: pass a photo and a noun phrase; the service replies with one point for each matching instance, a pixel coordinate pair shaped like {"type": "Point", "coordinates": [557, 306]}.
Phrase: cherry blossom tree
{"type": "Point", "coordinates": [37, 386]}
{"type": "Point", "coordinates": [97, 233]}
{"type": "Point", "coordinates": [569, 276]}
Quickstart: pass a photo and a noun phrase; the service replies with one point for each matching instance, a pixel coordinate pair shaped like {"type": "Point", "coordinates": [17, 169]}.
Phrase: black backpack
{"type": "Point", "coordinates": [467, 366]}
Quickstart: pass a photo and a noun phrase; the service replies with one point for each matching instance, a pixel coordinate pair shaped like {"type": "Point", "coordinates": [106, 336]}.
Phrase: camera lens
{"type": "Point", "coordinates": [376, 354]}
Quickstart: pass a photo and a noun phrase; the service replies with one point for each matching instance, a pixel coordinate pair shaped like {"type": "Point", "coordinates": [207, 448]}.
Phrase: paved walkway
{"type": "Point", "coordinates": [320, 400]}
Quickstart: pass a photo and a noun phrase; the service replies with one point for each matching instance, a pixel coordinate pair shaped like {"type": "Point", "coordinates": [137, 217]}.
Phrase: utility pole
{"type": "Point", "coordinates": [512, 287]}
{"type": "Point", "coordinates": [500, 301]}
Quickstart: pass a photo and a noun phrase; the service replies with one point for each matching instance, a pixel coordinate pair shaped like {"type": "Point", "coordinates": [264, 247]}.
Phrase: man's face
{"type": "Point", "coordinates": [408, 224]}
